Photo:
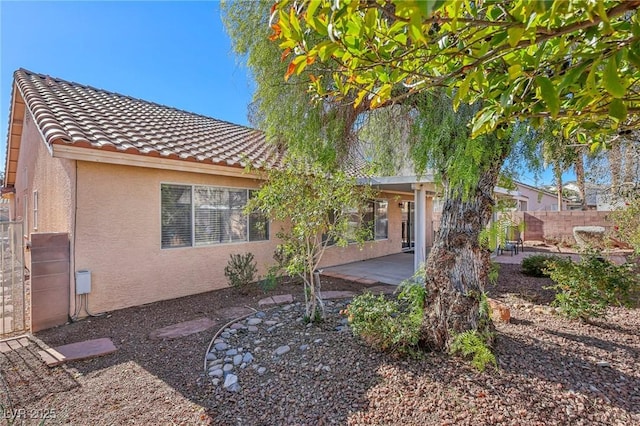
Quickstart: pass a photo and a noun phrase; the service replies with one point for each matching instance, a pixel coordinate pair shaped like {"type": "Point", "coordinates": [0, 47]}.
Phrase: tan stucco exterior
{"type": "Point", "coordinates": [54, 181]}
{"type": "Point", "coordinates": [111, 213]}
{"type": "Point", "coordinates": [118, 238]}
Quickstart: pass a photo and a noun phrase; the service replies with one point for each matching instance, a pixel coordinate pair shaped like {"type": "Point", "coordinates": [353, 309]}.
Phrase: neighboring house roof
{"type": "Point", "coordinates": [75, 115]}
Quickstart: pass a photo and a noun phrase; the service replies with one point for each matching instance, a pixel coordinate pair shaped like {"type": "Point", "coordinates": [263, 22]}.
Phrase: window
{"type": "Point", "coordinates": [374, 218]}
{"type": "Point", "coordinates": [35, 210]}
{"type": "Point", "coordinates": [381, 221]}
{"type": "Point", "coordinates": [207, 215]}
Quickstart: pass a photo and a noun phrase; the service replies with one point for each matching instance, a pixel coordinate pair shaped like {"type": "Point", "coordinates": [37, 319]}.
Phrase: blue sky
{"type": "Point", "coordinates": [172, 53]}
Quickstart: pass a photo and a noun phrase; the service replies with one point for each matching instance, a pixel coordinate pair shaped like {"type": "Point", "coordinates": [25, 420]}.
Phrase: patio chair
{"type": "Point", "coordinates": [513, 240]}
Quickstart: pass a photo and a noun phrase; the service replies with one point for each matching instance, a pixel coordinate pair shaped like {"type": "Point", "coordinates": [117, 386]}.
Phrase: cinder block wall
{"type": "Point", "coordinates": [542, 225]}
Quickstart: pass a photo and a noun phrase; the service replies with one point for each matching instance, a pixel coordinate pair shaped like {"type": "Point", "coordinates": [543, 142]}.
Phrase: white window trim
{"type": "Point", "coordinates": [35, 210]}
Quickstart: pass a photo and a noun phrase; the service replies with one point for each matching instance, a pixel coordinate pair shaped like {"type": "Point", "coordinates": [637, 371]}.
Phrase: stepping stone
{"type": "Point", "coordinates": [182, 329]}
{"type": "Point", "coordinates": [234, 312]}
{"type": "Point", "coordinates": [87, 349]}
{"type": "Point", "coordinates": [276, 300]}
{"type": "Point", "coordinates": [336, 294]}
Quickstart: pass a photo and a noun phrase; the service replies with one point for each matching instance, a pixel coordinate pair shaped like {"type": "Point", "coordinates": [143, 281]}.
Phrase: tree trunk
{"type": "Point", "coordinates": [557, 173]}
{"type": "Point", "coordinates": [580, 179]}
{"type": "Point", "coordinates": [458, 266]}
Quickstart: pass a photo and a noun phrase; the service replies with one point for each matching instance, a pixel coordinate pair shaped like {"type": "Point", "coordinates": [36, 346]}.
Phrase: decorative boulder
{"type": "Point", "coordinates": [590, 236]}
{"type": "Point", "coordinates": [499, 311]}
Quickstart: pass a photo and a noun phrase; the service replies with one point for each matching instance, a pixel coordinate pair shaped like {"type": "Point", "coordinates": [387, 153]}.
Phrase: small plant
{"type": "Point", "coordinates": [391, 325]}
{"type": "Point", "coordinates": [241, 271]}
{"type": "Point", "coordinates": [494, 273]}
{"type": "Point", "coordinates": [536, 265]}
{"type": "Point", "coordinates": [585, 289]}
{"type": "Point", "coordinates": [471, 344]}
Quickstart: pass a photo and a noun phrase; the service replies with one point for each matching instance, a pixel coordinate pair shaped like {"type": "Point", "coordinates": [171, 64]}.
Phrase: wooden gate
{"type": "Point", "coordinates": [15, 307]}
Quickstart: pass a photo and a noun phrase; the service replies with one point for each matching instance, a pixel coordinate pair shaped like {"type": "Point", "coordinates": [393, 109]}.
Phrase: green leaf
{"type": "Point", "coordinates": [515, 71]}
{"type": "Point", "coordinates": [634, 58]}
{"type": "Point", "coordinates": [611, 80]}
{"type": "Point", "coordinates": [549, 95]}
{"type": "Point", "coordinates": [514, 35]}
{"type": "Point", "coordinates": [618, 110]}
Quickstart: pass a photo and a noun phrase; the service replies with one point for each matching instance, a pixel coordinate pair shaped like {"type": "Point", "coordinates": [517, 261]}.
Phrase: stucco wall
{"type": "Point", "coordinates": [53, 178]}
{"type": "Point", "coordinates": [118, 238]}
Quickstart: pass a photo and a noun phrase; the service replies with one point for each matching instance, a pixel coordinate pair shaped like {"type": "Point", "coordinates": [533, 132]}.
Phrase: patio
{"type": "Point", "coordinates": [395, 268]}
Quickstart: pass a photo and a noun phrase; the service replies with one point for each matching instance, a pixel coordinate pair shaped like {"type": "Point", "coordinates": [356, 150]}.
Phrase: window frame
{"type": "Point", "coordinates": [193, 240]}
{"type": "Point", "coordinates": [35, 210]}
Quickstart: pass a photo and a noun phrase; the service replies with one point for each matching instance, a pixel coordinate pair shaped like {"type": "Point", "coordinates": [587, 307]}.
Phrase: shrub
{"type": "Point", "coordinates": [391, 325]}
{"type": "Point", "coordinates": [627, 223]}
{"type": "Point", "coordinates": [471, 344]}
{"type": "Point", "coordinates": [585, 289]}
{"type": "Point", "coordinates": [536, 265]}
{"type": "Point", "coordinates": [241, 271]}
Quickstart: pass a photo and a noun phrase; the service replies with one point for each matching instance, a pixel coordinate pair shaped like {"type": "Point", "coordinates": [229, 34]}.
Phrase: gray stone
{"type": "Point", "coordinates": [232, 352]}
{"type": "Point", "coordinates": [225, 334]}
{"type": "Point", "coordinates": [215, 381]}
{"type": "Point", "coordinates": [240, 350]}
{"type": "Point", "coordinates": [262, 370]}
{"type": "Point", "coordinates": [227, 359]}
{"type": "Point", "coordinates": [254, 321]}
{"type": "Point", "coordinates": [603, 364]}
{"type": "Point", "coordinates": [282, 350]}
{"type": "Point", "coordinates": [227, 368]}
{"type": "Point", "coordinates": [231, 383]}
{"type": "Point", "coordinates": [216, 373]}
{"type": "Point", "coordinates": [247, 358]}
{"type": "Point", "coordinates": [270, 322]}
{"type": "Point", "coordinates": [304, 347]}
{"type": "Point", "coordinates": [221, 346]}
{"type": "Point", "coordinates": [270, 329]}
{"type": "Point", "coordinates": [237, 326]}
{"type": "Point", "coordinates": [218, 340]}
{"type": "Point", "coordinates": [211, 356]}
{"type": "Point", "coordinates": [237, 360]}
{"type": "Point", "coordinates": [261, 314]}
{"type": "Point", "coordinates": [252, 328]}
{"type": "Point", "coordinates": [317, 341]}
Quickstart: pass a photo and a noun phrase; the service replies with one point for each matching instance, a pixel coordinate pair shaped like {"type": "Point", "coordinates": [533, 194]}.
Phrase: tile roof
{"type": "Point", "coordinates": [79, 115]}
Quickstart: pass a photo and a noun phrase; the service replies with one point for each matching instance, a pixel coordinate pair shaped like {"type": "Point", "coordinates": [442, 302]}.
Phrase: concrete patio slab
{"type": "Point", "coordinates": [182, 329]}
{"type": "Point", "coordinates": [86, 349]}
{"type": "Point", "coordinates": [392, 269]}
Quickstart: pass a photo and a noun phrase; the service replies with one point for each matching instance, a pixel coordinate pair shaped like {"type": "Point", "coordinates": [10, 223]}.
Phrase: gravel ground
{"type": "Point", "coordinates": [551, 370]}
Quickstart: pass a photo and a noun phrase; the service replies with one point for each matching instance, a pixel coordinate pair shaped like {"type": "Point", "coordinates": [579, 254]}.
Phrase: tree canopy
{"type": "Point", "coordinates": [575, 61]}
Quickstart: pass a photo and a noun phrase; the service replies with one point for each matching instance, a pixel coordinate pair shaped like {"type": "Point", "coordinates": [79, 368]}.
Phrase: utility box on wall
{"type": "Point", "coordinates": [83, 282]}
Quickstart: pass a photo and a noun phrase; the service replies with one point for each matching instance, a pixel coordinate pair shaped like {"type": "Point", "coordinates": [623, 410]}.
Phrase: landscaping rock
{"type": "Point", "coordinates": [247, 358]}
{"type": "Point", "coordinates": [221, 346]}
{"type": "Point", "coordinates": [282, 350]}
{"type": "Point", "coordinates": [237, 360]}
{"type": "Point", "coordinates": [231, 383]}
{"type": "Point", "coordinates": [227, 368]}
{"type": "Point", "coordinates": [254, 321]}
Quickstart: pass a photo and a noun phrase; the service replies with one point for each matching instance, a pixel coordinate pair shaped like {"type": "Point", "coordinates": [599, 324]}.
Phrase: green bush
{"type": "Point", "coordinates": [536, 265]}
{"type": "Point", "coordinates": [471, 344]}
{"type": "Point", "coordinates": [241, 271]}
{"type": "Point", "coordinates": [391, 325]}
{"type": "Point", "coordinates": [585, 289]}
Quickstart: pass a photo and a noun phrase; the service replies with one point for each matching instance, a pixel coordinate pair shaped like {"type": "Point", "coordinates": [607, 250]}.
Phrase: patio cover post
{"type": "Point", "coordinates": [420, 242]}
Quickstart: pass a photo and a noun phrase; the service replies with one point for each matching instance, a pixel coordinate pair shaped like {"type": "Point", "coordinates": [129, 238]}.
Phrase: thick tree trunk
{"type": "Point", "coordinates": [458, 267]}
